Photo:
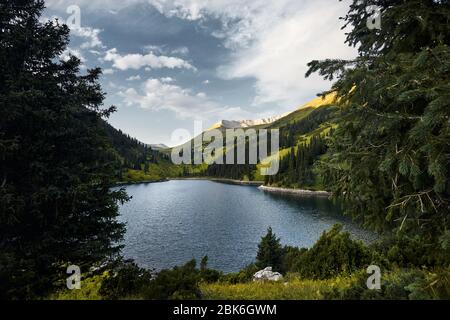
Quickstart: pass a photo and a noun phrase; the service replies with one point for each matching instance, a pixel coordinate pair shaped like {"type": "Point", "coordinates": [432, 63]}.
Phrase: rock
{"type": "Point", "coordinates": [267, 275]}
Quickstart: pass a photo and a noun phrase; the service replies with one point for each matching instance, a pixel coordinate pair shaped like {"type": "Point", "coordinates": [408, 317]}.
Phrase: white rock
{"type": "Point", "coordinates": [267, 275]}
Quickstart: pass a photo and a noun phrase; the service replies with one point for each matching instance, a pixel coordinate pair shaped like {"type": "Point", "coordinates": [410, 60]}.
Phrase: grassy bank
{"type": "Point", "coordinates": [295, 289]}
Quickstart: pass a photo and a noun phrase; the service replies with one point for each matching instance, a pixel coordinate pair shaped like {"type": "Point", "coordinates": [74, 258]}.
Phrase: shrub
{"type": "Point", "coordinates": [125, 280]}
{"type": "Point", "coordinates": [291, 256]}
{"type": "Point", "coordinates": [179, 283]}
{"type": "Point", "coordinates": [334, 253]}
{"type": "Point", "coordinates": [244, 275]}
{"type": "Point", "coordinates": [403, 251]}
{"type": "Point", "coordinates": [89, 290]}
{"type": "Point", "coordinates": [208, 275]}
{"type": "Point", "coordinates": [414, 284]}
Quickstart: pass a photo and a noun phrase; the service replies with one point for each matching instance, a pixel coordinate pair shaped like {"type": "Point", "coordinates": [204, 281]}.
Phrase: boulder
{"type": "Point", "coordinates": [267, 275]}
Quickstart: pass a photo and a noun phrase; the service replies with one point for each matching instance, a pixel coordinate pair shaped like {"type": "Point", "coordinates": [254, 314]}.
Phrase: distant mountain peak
{"type": "Point", "coordinates": [238, 124]}
{"type": "Point", "coordinates": [242, 124]}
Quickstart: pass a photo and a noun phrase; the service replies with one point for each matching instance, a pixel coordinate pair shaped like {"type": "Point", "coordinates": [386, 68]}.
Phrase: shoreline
{"type": "Point", "coordinates": [224, 180]}
{"type": "Point", "coordinates": [297, 192]}
{"type": "Point", "coordinates": [259, 184]}
{"type": "Point", "coordinates": [129, 183]}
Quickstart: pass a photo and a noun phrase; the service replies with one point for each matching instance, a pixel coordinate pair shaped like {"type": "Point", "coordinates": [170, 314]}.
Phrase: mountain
{"type": "Point", "coordinates": [303, 134]}
{"type": "Point", "coordinates": [283, 118]}
{"type": "Point", "coordinates": [233, 124]}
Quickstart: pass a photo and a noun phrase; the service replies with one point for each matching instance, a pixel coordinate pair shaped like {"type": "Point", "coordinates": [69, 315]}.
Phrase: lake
{"type": "Point", "coordinates": [173, 222]}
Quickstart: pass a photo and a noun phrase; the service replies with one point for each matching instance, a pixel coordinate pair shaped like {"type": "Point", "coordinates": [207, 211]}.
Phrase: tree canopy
{"type": "Point", "coordinates": [56, 164]}
{"type": "Point", "coordinates": [391, 151]}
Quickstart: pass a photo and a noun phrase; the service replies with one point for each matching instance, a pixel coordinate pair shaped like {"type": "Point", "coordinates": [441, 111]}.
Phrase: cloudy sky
{"type": "Point", "coordinates": [169, 62]}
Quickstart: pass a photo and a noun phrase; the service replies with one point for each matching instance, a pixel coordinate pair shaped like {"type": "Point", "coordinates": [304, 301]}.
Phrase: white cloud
{"type": "Point", "coordinates": [111, 6]}
{"type": "Point", "coordinates": [167, 80]}
{"type": "Point", "coordinates": [206, 82]}
{"type": "Point", "coordinates": [156, 95]}
{"type": "Point", "coordinates": [164, 50]}
{"type": "Point", "coordinates": [91, 35]}
{"type": "Point", "coordinates": [137, 61]}
{"type": "Point", "coordinates": [134, 78]}
{"type": "Point", "coordinates": [183, 51]}
{"type": "Point", "coordinates": [108, 71]}
{"type": "Point", "coordinates": [65, 56]}
{"type": "Point", "coordinates": [154, 49]}
{"type": "Point", "coordinates": [272, 41]}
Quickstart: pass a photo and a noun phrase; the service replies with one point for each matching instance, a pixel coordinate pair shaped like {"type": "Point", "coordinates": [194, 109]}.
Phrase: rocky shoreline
{"type": "Point", "coordinates": [298, 192]}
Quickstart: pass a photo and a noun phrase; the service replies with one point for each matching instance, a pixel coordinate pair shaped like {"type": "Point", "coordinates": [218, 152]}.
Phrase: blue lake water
{"type": "Point", "coordinates": [170, 223]}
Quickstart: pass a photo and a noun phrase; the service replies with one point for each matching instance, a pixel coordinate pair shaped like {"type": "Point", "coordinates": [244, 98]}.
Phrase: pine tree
{"type": "Point", "coordinates": [390, 154]}
{"type": "Point", "coordinates": [270, 251]}
{"type": "Point", "coordinates": [56, 165]}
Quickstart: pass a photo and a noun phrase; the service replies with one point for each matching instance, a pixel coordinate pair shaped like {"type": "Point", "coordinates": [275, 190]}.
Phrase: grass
{"type": "Point", "coordinates": [398, 284]}
{"type": "Point", "coordinates": [295, 289]}
{"type": "Point", "coordinates": [89, 290]}
{"type": "Point", "coordinates": [156, 172]}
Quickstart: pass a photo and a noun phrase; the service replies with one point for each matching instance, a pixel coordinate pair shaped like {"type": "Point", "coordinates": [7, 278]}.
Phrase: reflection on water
{"type": "Point", "coordinates": [170, 223]}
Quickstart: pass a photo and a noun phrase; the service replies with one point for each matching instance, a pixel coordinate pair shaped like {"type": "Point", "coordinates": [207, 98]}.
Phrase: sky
{"type": "Point", "coordinates": [169, 63]}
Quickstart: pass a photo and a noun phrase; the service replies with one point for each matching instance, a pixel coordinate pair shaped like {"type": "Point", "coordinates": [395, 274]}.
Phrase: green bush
{"type": "Point", "coordinates": [291, 257]}
{"type": "Point", "coordinates": [411, 284]}
{"type": "Point", "coordinates": [403, 251]}
{"type": "Point", "coordinates": [179, 283]}
{"type": "Point", "coordinates": [90, 288]}
{"type": "Point", "coordinates": [333, 254]}
{"type": "Point", "coordinates": [208, 275]}
{"type": "Point", "coordinates": [244, 275]}
{"type": "Point", "coordinates": [125, 280]}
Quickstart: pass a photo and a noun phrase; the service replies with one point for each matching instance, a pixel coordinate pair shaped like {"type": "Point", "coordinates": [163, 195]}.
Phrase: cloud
{"type": "Point", "coordinates": [272, 41]}
{"type": "Point", "coordinates": [165, 50]}
{"type": "Point", "coordinates": [156, 95]}
{"type": "Point", "coordinates": [183, 51]}
{"type": "Point", "coordinates": [108, 71]}
{"type": "Point", "coordinates": [206, 82]}
{"type": "Point", "coordinates": [137, 61]}
{"type": "Point", "coordinates": [278, 58]}
{"type": "Point", "coordinates": [65, 56]}
{"type": "Point", "coordinates": [154, 49]}
{"type": "Point", "coordinates": [111, 6]}
{"type": "Point", "coordinates": [134, 78]}
{"type": "Point", "coordinates": [91, 35]}
{"type": "Point", "coordinates": [167, 79]}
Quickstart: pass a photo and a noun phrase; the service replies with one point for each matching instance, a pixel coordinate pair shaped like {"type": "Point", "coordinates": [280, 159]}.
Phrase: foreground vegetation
{"type": "Point", "coordinates": [334, 268]}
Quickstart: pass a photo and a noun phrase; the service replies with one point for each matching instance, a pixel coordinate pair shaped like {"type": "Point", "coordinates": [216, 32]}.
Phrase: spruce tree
{"type": "Point", "coordinates": [56, 165]}
{"type": "Point", "coordinates": [270, 251]}
{"type": "Point", "coordinates": [390, 154]}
